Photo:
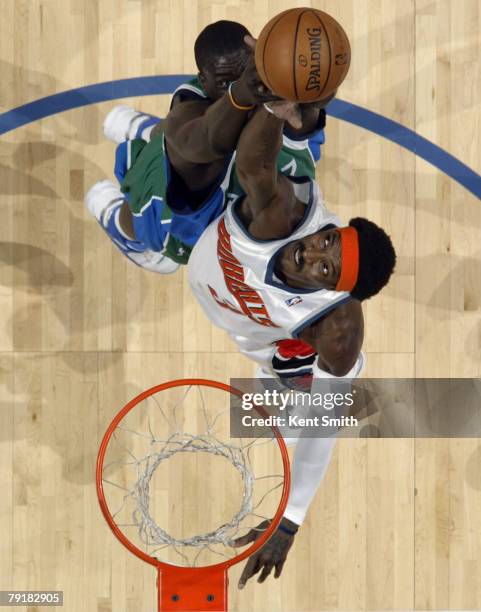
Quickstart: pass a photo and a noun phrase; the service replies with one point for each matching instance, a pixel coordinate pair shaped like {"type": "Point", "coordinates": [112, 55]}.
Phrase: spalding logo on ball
{"type": "Point", "coordinates": [303, 55]}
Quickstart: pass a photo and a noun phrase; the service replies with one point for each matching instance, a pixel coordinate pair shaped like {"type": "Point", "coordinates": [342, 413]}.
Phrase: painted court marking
{"type": "Point", "coordinates": [155, 85]}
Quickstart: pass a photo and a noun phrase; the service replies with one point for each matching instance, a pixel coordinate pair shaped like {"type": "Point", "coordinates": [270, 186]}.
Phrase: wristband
{"type": "Point", "coordinates": [287, 530]}
{"type": "Point", "coordinates": [234, 103]}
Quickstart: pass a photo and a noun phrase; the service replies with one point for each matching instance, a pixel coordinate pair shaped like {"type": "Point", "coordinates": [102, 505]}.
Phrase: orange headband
{"type": "Point", "coordinates": [349, 259]}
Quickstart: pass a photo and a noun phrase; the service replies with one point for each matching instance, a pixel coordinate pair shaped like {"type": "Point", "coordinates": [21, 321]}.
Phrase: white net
{"type": "Point", "coordinates": [179, 487]}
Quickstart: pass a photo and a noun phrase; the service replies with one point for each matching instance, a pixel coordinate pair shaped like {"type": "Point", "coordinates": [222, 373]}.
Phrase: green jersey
{"type": "Point", "coordinates": [146, 181]}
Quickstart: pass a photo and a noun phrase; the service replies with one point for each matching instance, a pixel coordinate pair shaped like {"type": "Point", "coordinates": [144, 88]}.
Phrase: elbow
{"type": "Point", "coordinates": [245, 166]}
{"type": "Point", "coordinates": [192, 142]}
{"type": "Point", "coordinates": [217, 148]}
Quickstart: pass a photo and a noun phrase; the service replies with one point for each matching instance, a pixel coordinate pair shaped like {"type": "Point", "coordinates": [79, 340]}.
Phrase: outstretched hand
{"type": "Point", "coordinates": [270, 556]}
{"type": "Point", "coordinates": [289, 111]}
{"type": "Point", "coordinates": [249, 88]}
{"type": "Point", "coordinates": [282, 109]}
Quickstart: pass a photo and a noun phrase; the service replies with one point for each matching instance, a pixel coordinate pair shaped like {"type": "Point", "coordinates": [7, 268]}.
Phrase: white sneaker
{"type": "Point", "coordinates": [123, 122]}
{"type": "Point", "coordinates": [104, 199]}
{"type": "Point", "coordinates": [153, 261]}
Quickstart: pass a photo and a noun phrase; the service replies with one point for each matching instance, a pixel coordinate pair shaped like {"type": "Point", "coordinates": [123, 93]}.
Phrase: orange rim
{"type": "Point", "coordinates": [100, 490]}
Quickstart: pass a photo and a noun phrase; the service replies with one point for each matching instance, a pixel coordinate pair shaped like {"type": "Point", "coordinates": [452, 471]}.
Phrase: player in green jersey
{"type": "Point", "coordinates": [177, 175]}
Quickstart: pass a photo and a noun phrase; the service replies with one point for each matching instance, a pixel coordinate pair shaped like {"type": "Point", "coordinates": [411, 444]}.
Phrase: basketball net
{"type": "Point", "coordinates": [174, 444]}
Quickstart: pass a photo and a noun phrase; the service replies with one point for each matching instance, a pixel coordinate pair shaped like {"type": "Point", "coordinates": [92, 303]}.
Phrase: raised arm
{"type": "Point", "coordinates": [337, 338]}
{"type": "Point", "coordinates": [202, 132]}
{"type": "Point", "coordinates": [269, 209]}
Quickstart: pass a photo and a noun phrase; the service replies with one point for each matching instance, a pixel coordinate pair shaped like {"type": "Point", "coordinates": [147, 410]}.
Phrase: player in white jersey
{"type": "Point", "coordinates": [278, 267]}
{"type": "Point", "coordinates": [238, 287]}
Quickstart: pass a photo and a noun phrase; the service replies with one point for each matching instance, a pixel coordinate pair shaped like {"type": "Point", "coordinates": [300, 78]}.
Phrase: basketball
{"type": "Point", "coordinates": [303, 55]}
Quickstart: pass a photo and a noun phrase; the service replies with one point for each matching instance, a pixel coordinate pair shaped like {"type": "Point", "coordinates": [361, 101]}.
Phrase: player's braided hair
{"type": "Point", "coordinates": [377, 258]}
{"type": "Point", "coordinates": [219, 39]}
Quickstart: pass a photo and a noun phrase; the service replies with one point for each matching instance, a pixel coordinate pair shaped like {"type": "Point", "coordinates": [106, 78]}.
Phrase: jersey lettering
{"type": "Point", "coordinates": [291, 166]}
{"type": "Point", "coordinates": [224, 303]}
{"type": "Point", "coordinates": [249, 301]}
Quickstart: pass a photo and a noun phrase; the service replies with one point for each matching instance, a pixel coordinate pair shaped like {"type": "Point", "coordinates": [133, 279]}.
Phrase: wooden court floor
{"type": "Point", "coordinates": [397, 523]}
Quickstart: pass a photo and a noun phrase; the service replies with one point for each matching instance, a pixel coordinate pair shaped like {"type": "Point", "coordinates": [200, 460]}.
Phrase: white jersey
{"type": "Point", "coordinates": [232, 276]}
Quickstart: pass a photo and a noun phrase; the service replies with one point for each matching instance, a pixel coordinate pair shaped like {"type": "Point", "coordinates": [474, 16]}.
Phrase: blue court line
{"type": "Point", "coordinates": [403, 136]}
{"type": "Point", "coordinates": [90, 94]}
{"type": "Point", "coordinates": [154, 85]}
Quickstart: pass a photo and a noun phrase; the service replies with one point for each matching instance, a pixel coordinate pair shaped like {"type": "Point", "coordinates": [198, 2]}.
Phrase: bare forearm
{"type": "Point", "coordinates": [222, 125]}
{"type": "Point", "coordinates": [267, 210]}
{"type": "Point", "coordinates": [200, 134]}
{"type": "Point", "coordinates": [208, 132]}
{"type": "Point", "coordinates": [260, 143]}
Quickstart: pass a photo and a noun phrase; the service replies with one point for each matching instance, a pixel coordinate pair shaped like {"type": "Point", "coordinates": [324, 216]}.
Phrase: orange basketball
{"type": "Point", "coordinates": [303, 55]}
